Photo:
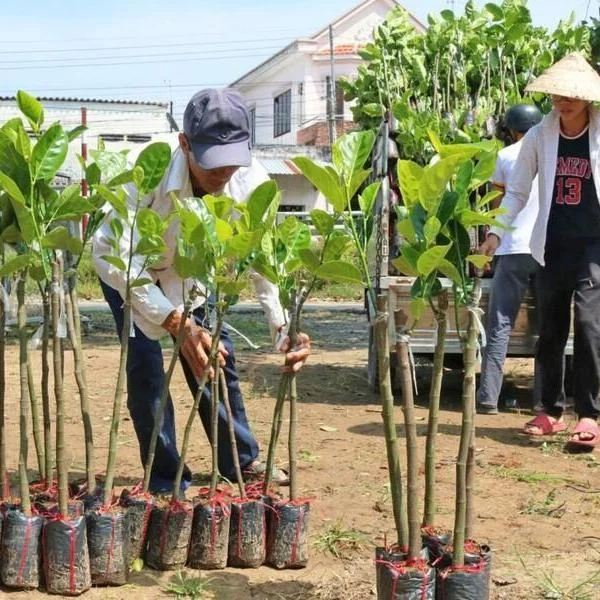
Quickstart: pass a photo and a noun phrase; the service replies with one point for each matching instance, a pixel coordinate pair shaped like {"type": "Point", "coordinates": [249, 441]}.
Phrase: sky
{"type": "Point", "coordinates": [153, 50]}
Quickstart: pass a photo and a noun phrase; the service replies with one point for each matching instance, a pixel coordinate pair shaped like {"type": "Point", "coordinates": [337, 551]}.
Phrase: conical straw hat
{"type": "Point", "coordinates": [571, 77]}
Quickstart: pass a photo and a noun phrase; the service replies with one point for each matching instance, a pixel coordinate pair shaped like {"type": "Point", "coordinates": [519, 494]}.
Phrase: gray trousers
{"type": "Point", "coordinates": [512, 275]}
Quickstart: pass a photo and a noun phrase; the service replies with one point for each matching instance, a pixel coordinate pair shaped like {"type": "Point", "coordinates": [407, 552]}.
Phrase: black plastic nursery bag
{"type": "Point", "coordinates": [406, 581]}
{"type": "Point", "coordinates": [65, 556]}
{"type": "Point", "coordinates": [108, 543]}
{"type": "Point", "coordinates": [169, 536]}
{"type": "Point", "coordinates": [20, 550]}
{"type": "Point", "coordinates": [287, 542]}
{"type": "Point", "coordinates": [247, 534]}
{"type": "Point", "coordinates": [436, 541]}
{"type": "Point", "coordinates": [469, 582]}
{"type": "Point", "coordinates": [138, 511]}
{"type": "Point", "coordinates": [210, 534]}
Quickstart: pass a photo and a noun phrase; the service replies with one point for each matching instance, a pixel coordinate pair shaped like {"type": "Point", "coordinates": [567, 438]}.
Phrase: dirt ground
{"type": "Point", "coordinates": [536, 506]}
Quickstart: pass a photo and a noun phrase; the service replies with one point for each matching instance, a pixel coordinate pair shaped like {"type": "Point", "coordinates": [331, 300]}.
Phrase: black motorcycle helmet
{"type": "Point", "coordinates": [522, 117]}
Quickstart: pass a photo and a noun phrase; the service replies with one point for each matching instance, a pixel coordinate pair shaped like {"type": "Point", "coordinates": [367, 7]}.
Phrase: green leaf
{"type": "Point", "coordinates": [373, 109]}
{"type": "Point", "coordinates": [489, 197]}
{"type": "Point", "coordinates": [324, 181]}
{"type": "Point", "coordinates": [464, 176]}
{"type": "Point", "coordinates": [242, 244]}
{"type": "Point", "coordinates": [337, 244]}
{"type": "Point", "coordinates": [402, 264]}
{"type": "Point", "coordinates": [121, 179]}
{"type": "Point", "coordinates": [434, 138]}
{"type": "Point", "coordinates": [431, 229]}
{"type": "Point", "coordinates": [495, 10]}
{"type": "Point", "coordinates": [70, 205]}
{"type": "Point", "coordinates": [447, 206]}
{"type": "Point", "coordinates": [138, 178]}
{"type": "Point", "coordinates": [470, 218]}
{"type": "Point", "coordinates": [410, 175]}
{"type": "Point", "coordinates": [31, 108]}
{"type": "Point", "coordinates": [294, 234]}
{"type": "Point", "coordinates": [449, 270]}
{"type": "Point", "coordinates": [18, 263]}
{"type": "Point", "coordinates": [484, 169]}
{"type": "Point", "coordinates": [231, 288]}
{"type": "Point", "coordinates": [436, 178]}
{"type": "Point", "coordinates": [261, 265]}
{"type": "Point", "coordinates": [224, 230]}
{"type": "Point", "coordinates": [149, 222]}
{"type": "Point", "coordinates": [22, 212]}
{"type": "Point", "coordinates": [260, 200]}
{"type": "Point", "coordinates": [323, 221]}
{"type": "Point", "coordinates": [93, 174]}
{"type": "Point", "coordinates": [116, 228]}
{"type": "Point", "coordinates": [357, 180]}
{"type": "Point", "coordinates": [366, 198]}
{"type": "Point", "coordinates": [49, 153]}
{"type": "Point", "coordinates": [140, 281]}
{"type": "Point", "coordinates": [479, 260]}
{"type": "Point", "coordinates": [430, 259]}
{"type": "Point", "coordinates": [339, 271]}
{"type": "Point", "coordinates": [76, 132]}
{"type": "Point", "coordinates": [116, 200]}
{"type": "Point", "coordinates": [111, 163]}
{"type": "Point", "coordinates": [115, 261]}
{"type": "Point", "coordinates": [309, 259]}
{"type": "Point", "coordinates": [60, 238]}
{"type": "Point", "coordinates": [417, 308]}
{"type": "Point", "coordinates": [154, 160]}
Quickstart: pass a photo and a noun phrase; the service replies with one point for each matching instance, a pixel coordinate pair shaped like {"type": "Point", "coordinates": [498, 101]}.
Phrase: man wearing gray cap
{"type": "Point", "coordinates": [213, 157]}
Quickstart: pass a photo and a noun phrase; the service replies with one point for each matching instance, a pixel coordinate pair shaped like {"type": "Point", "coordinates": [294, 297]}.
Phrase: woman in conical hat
{"type": "Point", "coordinates": [564, 151]}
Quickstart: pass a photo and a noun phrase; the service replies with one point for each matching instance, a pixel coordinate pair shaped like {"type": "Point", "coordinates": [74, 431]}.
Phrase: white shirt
{"type": "Point", "coordinates": [152, 304]}
{"type": "Point", "coordinates": [538, 156]}
{"type": "Point", "coordinates": [516, 241]}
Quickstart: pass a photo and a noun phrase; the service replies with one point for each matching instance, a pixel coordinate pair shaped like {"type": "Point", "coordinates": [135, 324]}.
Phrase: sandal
{"type": "Point", "coordinates": [545, 424]}
{"type": "Point", "coordinates": [588, 426]}
{"type": "Point", "coordinates": [258, 468]}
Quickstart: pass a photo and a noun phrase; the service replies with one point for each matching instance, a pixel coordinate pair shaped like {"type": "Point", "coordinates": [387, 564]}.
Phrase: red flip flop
{"type": "Point", "coordinates": [584, 426]}
{"type": "Point", "coordinates": [545, 424]}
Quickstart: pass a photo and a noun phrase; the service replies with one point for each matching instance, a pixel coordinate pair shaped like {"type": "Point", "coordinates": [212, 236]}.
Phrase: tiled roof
{"type": "Point", "coordinates": [279, 166]}
{"type": "Point", "coordinates": [342, 49]}
{"type": "Point", "coordinates": [96, 100]}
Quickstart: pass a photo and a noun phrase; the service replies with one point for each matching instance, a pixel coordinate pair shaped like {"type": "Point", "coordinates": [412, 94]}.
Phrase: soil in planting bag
{"type": "Point", "coordinates": [20, 550]}
{"type": "Point", "coordinates": [108, 542]}
{"type": "Point", "coordinates": [468, 582]}
{"type": "Point", "coordinates": [138, 508]}
{"type": "Point", "coordinates": [49, 509]}
{"type": "Point", "coordinates": [406, 581]}
{"type": "Point", "coordinates": [391, 554]}
{"type": "Point", "coordinates": [247, 533]}
{"type": "Point", "coordinates": [169, 536]}
{"type": "Point", "coordinates": [209, 544]}
{"type": "Point", "coordinates": [65, 556]}
{"type": "Point", "coordinates": [287, 540]}
{"type": "Point", "coordinates": [435, 540]}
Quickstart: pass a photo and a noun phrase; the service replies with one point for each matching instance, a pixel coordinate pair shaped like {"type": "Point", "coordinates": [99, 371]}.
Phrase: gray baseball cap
{"type": "Point", "coordinates": [217, 124]}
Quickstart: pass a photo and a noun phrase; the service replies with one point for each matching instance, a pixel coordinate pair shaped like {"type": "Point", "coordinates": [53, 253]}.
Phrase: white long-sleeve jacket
{"type": "Point", "coordinates": [538, 156]}
{"type": "Point", "coordinates": [152, 304]}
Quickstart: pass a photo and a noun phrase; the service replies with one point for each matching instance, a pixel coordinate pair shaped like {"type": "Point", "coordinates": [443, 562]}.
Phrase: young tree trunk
{"type": "Point", "coordinates": [282, 392]}
{"type": "Point", "coordinates": [46, 413]}
{"type": "Point", "coordinates": [214, 437]}
{"type": "Point", "coordinates": [466, 436]}
{"type": "Point", "coordinates": [24, 404]}
{"type": "Point", "coordinates": [74, 330]}
{"type": "Point", "coordinates": [391, 439]}
{"type": "Point", "coordinates": [216, 336]}
{"type": "Point", "coordinates": [434, 407]}
{"type": "Point", "coordinates": [231, 428]}
{"type": "Point", "coordinates": [410, 424]}
{"type": "Point", "coordinates": [3, 472]}
{"type": "Point", "coordinates": [118, 399]}
{"type": "Point", "coordinates": [62, 467]}
{"type": "Point", "coordinates": [36, 424]}
{"type": "Point", "coordinates": [160, 409]}
{"type": "Point", "coordinates": [292, 438]}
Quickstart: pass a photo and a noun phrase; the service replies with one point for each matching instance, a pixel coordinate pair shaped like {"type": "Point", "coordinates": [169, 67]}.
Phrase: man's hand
{"type": "Point", "coordinates": [295, 357]}
{"type": "Point", "coordinates": [489, 247]}
{"type": "Point", "coordinates": [196, 344]}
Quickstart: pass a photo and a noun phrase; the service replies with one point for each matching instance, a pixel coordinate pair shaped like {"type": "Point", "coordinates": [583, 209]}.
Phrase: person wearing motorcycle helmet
{"type": "Point", "coordinates": [514, 266]}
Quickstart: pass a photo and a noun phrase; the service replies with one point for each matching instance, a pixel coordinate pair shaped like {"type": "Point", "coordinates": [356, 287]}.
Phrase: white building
{"type": "Point", "coordinates": [119, 123]}
{"type": "Point", "coordinates": [288, 95]}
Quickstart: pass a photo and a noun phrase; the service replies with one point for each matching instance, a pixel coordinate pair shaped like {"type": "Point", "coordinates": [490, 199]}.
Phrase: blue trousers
{"type": "Point", "coordinates": [145, 380]}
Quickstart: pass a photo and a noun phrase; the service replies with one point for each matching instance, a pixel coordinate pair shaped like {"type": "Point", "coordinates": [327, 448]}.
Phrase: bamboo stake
{"type": "Point", "coordinates": [24, 404]}
{"type": "Point", "coordinates": [74, 331]}
{"type": "Point", "coordinates": [410, 425]}
{"type": "Point", "coordinates": [36, 424]}
{"type": "Point", "coordinates": [62, 467]}
{"type": "Point", "coordinates": [46, 411]}
{"type": "Point", "coordinates": [435, 391]}
{"type": "Point", "coordinates": [391, 439]}
{"type": "Point", "coordinates": [231, 427]}
{"type": "Point", "coordinates": [466, 437]}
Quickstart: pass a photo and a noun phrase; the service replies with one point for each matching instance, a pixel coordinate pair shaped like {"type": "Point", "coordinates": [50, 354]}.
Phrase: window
{"type": "Point", "coordinates": [282, 113]}
{"type": "Point", "coordinates": [253, 125]}
{"type": "Point", "coordinates": [339, 102]}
